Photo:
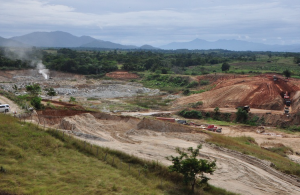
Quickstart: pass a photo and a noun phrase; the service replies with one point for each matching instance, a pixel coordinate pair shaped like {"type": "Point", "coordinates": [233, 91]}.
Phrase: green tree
{"type": "Point", "coordinates": [15, 88]}
{"type": "Point", "coordinates": [241, 115]}
{"type": "Point", "coordinates": [34, 89]}
{"type": "Point", "coordinates": [287, 73]}
{"type": "Point", "coordinates": [191, 167]}
{"type": "Point", "coordinates": [72, 99]}
{"type": "Point", "coordinates": [51, 92]}
{"type": "Point", "coordinates": [217, 113]}
{"type": "Point", "coordinates": [36, 102]}
{"type": "Point", "coordinates": [225, 66]}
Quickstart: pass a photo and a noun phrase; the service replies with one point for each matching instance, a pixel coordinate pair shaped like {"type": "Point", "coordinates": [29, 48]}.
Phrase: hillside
{"type": "Point", "coordinates": [34, 161]}
{"type": "Point", "coordinates": [258, 92]}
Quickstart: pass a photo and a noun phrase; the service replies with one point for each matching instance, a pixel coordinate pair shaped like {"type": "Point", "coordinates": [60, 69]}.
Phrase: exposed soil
{"type": "Point", "coordinates": [154, 140]}
{"type": "Point", "coordinates": [258, 92]}
{"type": "Point", "coordinates": [122, 75]}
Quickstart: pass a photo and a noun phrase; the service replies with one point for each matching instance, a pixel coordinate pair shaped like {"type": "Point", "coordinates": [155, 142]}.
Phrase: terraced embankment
{"type": "Point", "coordinates": [258, 92]}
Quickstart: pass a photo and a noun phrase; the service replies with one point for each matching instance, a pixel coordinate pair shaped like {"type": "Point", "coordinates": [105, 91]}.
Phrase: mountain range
{"type": "Point", "coordinates": [63, 39]}
{"type": "Point", "coordinates": [234, 45]}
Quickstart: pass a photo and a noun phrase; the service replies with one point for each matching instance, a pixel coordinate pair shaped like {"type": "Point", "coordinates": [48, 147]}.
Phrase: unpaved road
{"type": "Point", "coordinates": [236, 172]}
{"type": "Point", "coordinates": [13, 106]}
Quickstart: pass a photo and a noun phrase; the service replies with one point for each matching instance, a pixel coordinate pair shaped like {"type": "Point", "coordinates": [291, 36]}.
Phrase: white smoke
{"type": "Point", "coordinates": [28, 54]}
{"type": "Point", "coordinates": [42, 69]}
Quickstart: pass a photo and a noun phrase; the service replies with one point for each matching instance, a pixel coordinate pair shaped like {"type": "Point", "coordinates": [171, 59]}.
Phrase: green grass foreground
{"type": "Point", "coordinates": [34, 161]}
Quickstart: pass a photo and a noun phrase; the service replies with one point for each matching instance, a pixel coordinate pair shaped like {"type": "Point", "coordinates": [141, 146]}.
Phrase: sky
{"type": "Point", "coordinates": [156, 22]}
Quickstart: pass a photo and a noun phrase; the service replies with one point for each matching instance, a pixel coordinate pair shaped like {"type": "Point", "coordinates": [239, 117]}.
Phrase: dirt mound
{"type": "Point", "coordinates": [258, 92]}
{"type": "Point", "coordinates": [218, 77]}
{"type": "Point", "coordinates": [60, 113]}
{"type": "Point", "coordinates": [62, 104]}
{"type": "Point", "coordinates": [122, 75]}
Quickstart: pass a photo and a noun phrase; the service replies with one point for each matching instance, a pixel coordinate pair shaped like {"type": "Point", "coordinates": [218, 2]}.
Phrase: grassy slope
{"type": "Point", "coordinates": [37, 163]}
{"type": "Point", "coordinates": [40, 162]}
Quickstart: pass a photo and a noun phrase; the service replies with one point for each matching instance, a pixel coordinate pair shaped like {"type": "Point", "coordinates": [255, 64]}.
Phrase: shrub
{"type": "Point", "coordinates": [241, 115]}
{"type": "Point", "coordinates": [72, 99]}
{"type": "Point", "coordinates": [192, 84]}
{"type": "Point", "coordinates": [186, 92]}
{"type": "Point", "coordinates": [191, 114]}
{"type": "Point", "coordinates": [204, 82]}
{"type": "Point", "coordinates": [217, 113]}
{"type": "Point", "coordinates": [36, 102]}
{"type": "Point", "coordinates": [227, 116]}
{"type": "Point", "coordinates": [196, 104]}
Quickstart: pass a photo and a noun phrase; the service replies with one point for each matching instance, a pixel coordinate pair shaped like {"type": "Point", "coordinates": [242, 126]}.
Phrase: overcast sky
{"type": "Point", "coordinates": [156, 22]}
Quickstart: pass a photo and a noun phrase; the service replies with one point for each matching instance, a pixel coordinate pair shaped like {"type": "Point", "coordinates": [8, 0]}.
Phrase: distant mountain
{"type": "Point", "coordinates": [148, 47]}
{"type": "Point", "coordinates": [11, 43]}
{"type": "Point", "coordinates": [63, 39]}
{"type": "Point", "coordinates": [107, 45]}
{"type": "Point", "coordinates": [234, 45]}
{"type": "Point", "coordinates": [53, 39]}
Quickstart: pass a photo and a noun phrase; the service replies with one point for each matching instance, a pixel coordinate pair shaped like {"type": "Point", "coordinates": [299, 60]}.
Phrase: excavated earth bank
{"type": "Point", "coordinates": [154, 140]}
{"type": "Point", "coordinates": [258, 92]}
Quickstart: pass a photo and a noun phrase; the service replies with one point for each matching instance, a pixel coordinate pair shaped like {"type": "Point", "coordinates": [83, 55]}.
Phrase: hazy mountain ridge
{"type": "Point", "coordinates": [64, 39]}
{"type": "Point", "coordinates": [234, 45]}
{"type": "Point", "coordinates": [11, 43]}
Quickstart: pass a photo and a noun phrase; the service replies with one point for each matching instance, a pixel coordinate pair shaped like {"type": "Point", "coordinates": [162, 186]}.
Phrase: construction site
{"type": "Point", "coordinates": [154, 135]}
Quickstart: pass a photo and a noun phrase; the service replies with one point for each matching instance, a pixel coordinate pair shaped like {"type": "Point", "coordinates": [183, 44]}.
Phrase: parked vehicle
{"type": "Point", "coordinates": [286, 110]}
{"type": "Point", "coordinates": [4, 108]}
{"type": "Point", "coordinates": [287, 99]}
{"type": "Point", "coordinates": [246, 108]}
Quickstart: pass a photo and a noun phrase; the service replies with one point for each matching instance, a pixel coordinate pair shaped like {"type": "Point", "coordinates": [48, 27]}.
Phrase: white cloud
{"type": "Point", "coordinates": [155, 21]}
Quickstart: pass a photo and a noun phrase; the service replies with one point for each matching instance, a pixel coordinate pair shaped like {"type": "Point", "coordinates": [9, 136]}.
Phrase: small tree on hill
{"type": "Point", "coordinates": [190, 167]}
{"type": "Point", "coordinates": [225, 66]}
{"type": "Point", "coordinates": [36, 102]}
{"type": "Point", "coordinates": [51, 92]}
{"type": "Point", "coordinates": [217, 113]}
{"type": "Point", "coordinates": [287, 73]}
{"type": "Point", "coordinates": [241, 115]}
{"type": "Point", "coordinates": [34, 89]}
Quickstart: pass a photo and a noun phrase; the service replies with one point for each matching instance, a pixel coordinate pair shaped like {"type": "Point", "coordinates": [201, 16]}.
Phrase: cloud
{"type": "Point", "coordinates": [155, 21]}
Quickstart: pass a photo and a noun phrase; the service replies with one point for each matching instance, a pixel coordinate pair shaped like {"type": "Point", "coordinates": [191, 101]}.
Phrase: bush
{"type": "Point", "coordinates": [36, 103]}
{"type": "Point", "coordinates": [241, 115]}
{"type": "Point", "coordinates": [196, 104]}
{"type": "Point", "coordinates": [227, 116]}
{"type": "Point", "coordinates": [204, 82]}
{"type": "Point", "coordinates": [191, 114]}
{"type": "Point", "coordinates": [217, 113]}
{"type": "Point", "coordinates": [192, 84]}
{"type": "Point", "coordinates": [186, 92]}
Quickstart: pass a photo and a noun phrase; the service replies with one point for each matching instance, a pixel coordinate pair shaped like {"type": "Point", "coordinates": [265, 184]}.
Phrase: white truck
{"type": "Point", "coordinates": [4, 108]}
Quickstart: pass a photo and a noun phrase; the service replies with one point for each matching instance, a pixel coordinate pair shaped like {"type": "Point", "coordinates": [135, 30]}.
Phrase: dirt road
{"type": "Point", "coordinates": [236, 172]}
{"type": "Point", "coordinates": [13, 106]}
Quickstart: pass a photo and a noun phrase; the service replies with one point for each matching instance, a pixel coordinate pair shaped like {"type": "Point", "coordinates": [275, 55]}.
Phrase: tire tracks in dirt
{"type": "Point", "coordinates": [249, 175]}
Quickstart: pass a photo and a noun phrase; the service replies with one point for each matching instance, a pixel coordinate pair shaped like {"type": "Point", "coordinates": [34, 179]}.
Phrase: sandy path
{"type": "Point", "coordinates": [13, 106]}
